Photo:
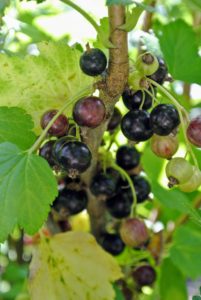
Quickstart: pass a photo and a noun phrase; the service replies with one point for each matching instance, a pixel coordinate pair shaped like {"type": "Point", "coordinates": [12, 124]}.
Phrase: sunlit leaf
{"type": "Point", "coordinates": [72, 266]}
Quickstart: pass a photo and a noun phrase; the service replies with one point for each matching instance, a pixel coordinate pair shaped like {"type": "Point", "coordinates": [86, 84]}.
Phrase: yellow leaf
{"type": "Point", "coordinates": [72, 266]}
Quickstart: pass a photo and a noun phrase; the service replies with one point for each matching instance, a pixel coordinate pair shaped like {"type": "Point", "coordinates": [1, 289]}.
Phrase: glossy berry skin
{"type": "Point", "coordinates": [46, 152]}
{"type": "Point", "coordinates": [178, 171]}
{"type": "Point", "coordinates": [112, 243]}
{"type": "Point", "coordinates": [119, 206]}
{"type": "Point", "coordinates": [134, 232]}
{"type": "Point", "coordinates": [59, 127]}
{"type": "Point", "coordinates": [70, 201]}
{"type": "Point", "coordinates": [127, 157]}
{"type": "Point", "coordinates": [103, 184]}
{"type": "Point", "coordinates": [164, 146]}
{"type": "Point", "coordinates": [89, 112]}
{"type": "Point", "coordinates": [115, 119]}
{"type": "Point", "coordinates": [164, 118]}
{"type": "Point", "coordinates": [194, 131]}
{"type": "Point", "coordinates": [144, 275]}
{"type": "Point", "coordinates": [72, 155]}
{"type": "Point", "coordinates": [133, 99]}
{"type": "Point", "coordinates": [93, 62]}
{"type": "Point", "coordinates": [136, 126]}
{"type": "Point", "coordinates": [142, 188]}
{"type": "Point", "coordinates": [160, 75]}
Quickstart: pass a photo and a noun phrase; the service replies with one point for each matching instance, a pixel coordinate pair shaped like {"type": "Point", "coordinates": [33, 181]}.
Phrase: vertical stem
{"type": "Point", "coordinates": [114, 86]}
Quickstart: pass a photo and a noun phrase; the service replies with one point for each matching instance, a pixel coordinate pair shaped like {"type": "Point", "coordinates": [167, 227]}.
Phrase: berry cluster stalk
{"type": "Point", "coordinates": [112, 89]}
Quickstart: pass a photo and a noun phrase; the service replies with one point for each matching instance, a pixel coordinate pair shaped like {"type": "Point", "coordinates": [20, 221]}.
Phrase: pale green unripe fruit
{"type": "Point", "coordinates": [193, 183]}
{"type": "Point", "coordinates": [147, 64]}
{"type": "Point", "coordinates": [178, 171]}
{"type": "Point", "coordinates": [137, 81]}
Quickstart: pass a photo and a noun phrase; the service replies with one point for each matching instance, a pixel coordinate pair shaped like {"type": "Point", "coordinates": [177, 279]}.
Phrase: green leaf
{"type": "Point", "coordinates": [103, 33]}
{"type": "Point", "coordinates": [179, 45]}
{"type": "Point", "coordinates": [39, 83]}
{"type": "Point", "coordinates": [193, 4]}
{"type": "Point", "coordinates": [185, 252]}
{"type": "Point", "coordinates": [196, 298]}
{"type": "Point", "coordinates": [16, 127]}
{"type": "Point", "coordinates": [27, 188]}
{"type": "Point", "coordinates": [120, 2]}
{"type": "Point", "coordinates": [119, 295]}
{"type": "Point", "coordinates": [172, 282]}
{"type": "Point", "coordinates": [72, 266]}
{"type": "Point", "coordinates": [132, 18]}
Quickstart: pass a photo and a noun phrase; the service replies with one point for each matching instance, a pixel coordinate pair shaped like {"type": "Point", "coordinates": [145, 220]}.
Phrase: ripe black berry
{"type": "Point", "coordinates": [112, 243]}
{"type": "Point", "coordinates": [144, 275]}
{"type": "Point", "coordinates": [133, 99]}
{"type": "Point", "coordinates": [46, 152]}
{"type": "Point", "coordinates": [127, 157]}
{"type": "Point", "coordinates": [115, 119]}
{"type": "Point", "coordinates": [103, 184]}
{"type": "Point", "coordinates": [119, 206]}
{"type": "Point", "coordinates": [89, 112]}
{"type": "Point", "coordinates": [70, 201]}
{"type": "Point", "coordinates": [142, 188]}
{"type": "Point", "coordinates": [72, 156]}
{"type": "Point", "coordinates": [59, 127]}
{"type": "Point", "coordinates": [164, 118]}
{"type": "Point", "coordinates": [136, 126]}
{"type": "Point", "coordinates": [93, 62]}
{"type": "Point", "coordinates": [160, 75]}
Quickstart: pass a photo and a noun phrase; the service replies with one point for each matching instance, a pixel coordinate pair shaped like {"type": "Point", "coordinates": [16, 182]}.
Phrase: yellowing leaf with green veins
{"type": "Point", "coordinates": [72, 266]}
{"type": "Point", "coordinates": [27, 188]}
{"type": "Point", "coordinates": [46, 81]}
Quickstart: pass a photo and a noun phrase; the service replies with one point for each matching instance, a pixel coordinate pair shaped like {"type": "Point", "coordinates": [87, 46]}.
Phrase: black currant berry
{"type": "Point", "coordinates": [59, 127]}
{"type": "Point", "coordinates": [112, 243]}
{"type": "Point", "coordinates": [115, 119]}
{"type": "Point", "coordinates": [133, 99]}
{"type": "Point", "coordinates": [127, 157]}
{"type": "Point", "coordinates": [136, 126]}
{"type": "Point", "coordinates": [164, 118]}
{"type": "Point", "coordinates": [89, 112]}
{"type": "Point", "coordinates": [46, 152]}
{"type": "Point", "coordinates": [142, 188]}
{"type": "Point", "coordinates": [72, 156]}
{"type": "Point", "coordinates": [70, 201]}
{"type": "Point", "coordinates": [144, 275]}
{"type": "Point", "coordinates": [119, 206]}
{"type": "Point", "coordinates": [103, 184]}
{"type": "Point", "coordinates": [93, 62]}
{"type": "Point", "coordinates": [160, 75]}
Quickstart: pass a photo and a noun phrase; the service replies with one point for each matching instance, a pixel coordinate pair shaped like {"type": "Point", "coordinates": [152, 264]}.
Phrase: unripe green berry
{"type": "Point", "coordinates": [137, 81]}
{"type": "Point", "coordinates": [193, 183]}
{"type": "Point", "coordinates": [147, 64]}
{"type": "Point", "coordinates": [178, 171]}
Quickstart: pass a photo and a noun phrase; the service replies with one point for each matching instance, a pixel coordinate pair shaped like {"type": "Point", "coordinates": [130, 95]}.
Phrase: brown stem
{"type": "Point", "coordinates": [147, 21]}
{"type": "Point", "coordinates": [182, 219]}
{"type": "Point", "coordinates": [113, 88]}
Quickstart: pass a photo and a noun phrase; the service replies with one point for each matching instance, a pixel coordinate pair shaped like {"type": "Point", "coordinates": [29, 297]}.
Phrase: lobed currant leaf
{"type": "Point", "coordinates": [63, 267]}
{"type": "Point", "coordinates": [16, 127]}
{"type": "Point", "coordinates": [47, 80]}
{"type": "Point", "coordinates": [27, 188]}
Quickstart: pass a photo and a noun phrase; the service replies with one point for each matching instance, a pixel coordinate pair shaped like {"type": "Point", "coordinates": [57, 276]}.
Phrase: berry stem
{"type": "Point", "coordinates": [79, 95]}
{"type": "Point", "coordinates": [83, 13]}
{"type": "Point", "coordinates": [180, 110]}
{"type": "Point", "coordinates": [127, 177]}
{"type": "Point", "coordinates": [143, 99]}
